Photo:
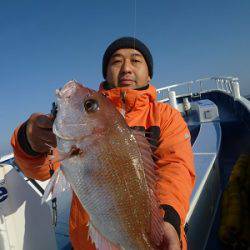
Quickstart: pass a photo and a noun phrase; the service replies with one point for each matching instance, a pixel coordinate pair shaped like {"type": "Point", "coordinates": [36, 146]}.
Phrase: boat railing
{"type": "Point", "coordinates": [6, 157]}
{"type": "Point", "coordinates": [229, 85]}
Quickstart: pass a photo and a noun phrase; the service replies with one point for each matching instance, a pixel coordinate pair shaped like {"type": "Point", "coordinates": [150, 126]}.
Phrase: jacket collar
{"type": "Point", "coordinates": [129, 99]}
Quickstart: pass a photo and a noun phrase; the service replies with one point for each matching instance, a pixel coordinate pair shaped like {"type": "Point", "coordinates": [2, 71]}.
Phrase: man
{"type": "Point", "coordinates": [127, 70]}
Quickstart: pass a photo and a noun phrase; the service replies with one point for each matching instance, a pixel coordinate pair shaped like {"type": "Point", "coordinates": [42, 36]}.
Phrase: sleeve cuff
{"type": "Point", "coordinates": [23, 141]}
{"type": "Point", "coordinates": [172, 217]}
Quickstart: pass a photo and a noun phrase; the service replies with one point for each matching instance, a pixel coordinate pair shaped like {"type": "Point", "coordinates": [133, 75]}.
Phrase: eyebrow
{"type": "Point", "coordinates": [136, 54]}
{"type": "Point", "coordinates": [120, 55]}
{"type": "Point", "coordinates": [116, 54]}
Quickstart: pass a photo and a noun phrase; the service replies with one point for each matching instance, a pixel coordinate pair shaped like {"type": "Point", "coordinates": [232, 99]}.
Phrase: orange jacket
{"type": "Point", "coordinates": [174, 157]}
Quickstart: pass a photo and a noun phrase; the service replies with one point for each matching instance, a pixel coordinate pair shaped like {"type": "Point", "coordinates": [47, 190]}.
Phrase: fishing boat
{"type": "Point", "coordinates": [218, 117]}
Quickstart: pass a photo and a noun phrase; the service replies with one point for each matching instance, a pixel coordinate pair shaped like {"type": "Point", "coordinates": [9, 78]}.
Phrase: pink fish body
{"type": "Point", "coordinates": [110, 170]}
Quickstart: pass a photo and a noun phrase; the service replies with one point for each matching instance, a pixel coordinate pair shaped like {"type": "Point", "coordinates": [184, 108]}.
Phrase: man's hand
{"type": "Point", "coordinates": [39, 132]}
{"type": "Point", "coordinates": [171, 239]}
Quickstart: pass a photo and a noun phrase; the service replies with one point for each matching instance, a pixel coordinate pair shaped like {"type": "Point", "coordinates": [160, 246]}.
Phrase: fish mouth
{"type": "Point", "coordinates": [70, 88]}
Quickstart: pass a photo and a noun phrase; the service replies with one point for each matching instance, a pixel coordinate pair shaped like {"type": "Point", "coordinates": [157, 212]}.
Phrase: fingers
{"type": "Point", "coordinates": [39, 132]}
{"type": "Point", "coordinates": [47, 136]}
{"type": "Point", "coordinates": [171, 239]}
{"type": "Point", "coordinates": [44, 121]}
{"type": "Point", "coordinates": [49, 142]}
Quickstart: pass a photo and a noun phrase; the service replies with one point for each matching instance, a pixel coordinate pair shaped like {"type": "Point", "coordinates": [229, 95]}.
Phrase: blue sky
{"type": "Point", "coordinates": [43, 44]}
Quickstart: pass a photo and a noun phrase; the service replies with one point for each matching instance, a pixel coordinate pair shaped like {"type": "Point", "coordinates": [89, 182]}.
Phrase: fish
{"type": "Point", "coordinates": [110, 168]}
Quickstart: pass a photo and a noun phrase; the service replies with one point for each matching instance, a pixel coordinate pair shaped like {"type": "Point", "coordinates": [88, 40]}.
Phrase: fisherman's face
{"type": "Point", "coordinates": [127, 68]}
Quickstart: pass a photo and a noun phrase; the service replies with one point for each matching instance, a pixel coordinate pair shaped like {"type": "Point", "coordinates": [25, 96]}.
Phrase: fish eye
{"type": "Point", "coordinates": [91, 105]}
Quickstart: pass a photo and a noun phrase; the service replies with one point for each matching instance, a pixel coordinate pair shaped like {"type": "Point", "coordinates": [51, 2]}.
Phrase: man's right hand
{"type": "Point", "coordinates": [39, 132]}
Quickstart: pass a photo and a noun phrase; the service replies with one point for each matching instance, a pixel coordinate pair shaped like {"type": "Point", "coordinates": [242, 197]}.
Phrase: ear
{"type": "Point", "coordinates": [148, 79]}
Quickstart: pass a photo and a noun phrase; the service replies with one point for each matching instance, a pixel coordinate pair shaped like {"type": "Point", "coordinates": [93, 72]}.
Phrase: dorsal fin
{"type": "Point", "coordinates": [157, 223]}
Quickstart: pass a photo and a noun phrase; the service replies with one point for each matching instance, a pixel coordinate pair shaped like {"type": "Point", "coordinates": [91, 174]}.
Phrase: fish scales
{"type": "Point", "coordinates": [118, 179]}
{"type": "Point", "coordinates": [108, 178]}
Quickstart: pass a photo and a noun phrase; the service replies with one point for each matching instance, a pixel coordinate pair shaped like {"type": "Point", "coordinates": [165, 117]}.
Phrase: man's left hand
{"type": "Point", "coordinates": [171, 239]}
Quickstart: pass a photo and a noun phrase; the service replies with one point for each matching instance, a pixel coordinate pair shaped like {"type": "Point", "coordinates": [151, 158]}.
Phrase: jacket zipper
{"type": "Point", "coordinates": [123, 111]}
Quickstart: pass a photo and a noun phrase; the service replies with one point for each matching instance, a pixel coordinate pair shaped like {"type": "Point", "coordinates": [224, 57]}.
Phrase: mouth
{"type": "Point", "coordinates": [126, 82]}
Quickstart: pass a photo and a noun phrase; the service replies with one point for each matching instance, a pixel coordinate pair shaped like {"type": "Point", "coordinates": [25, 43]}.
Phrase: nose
{"type": "Point", "coordinates": [126, 67]}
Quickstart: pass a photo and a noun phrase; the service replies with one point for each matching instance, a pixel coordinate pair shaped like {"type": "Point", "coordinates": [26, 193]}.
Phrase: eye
{"type": "Point", "coordinates": [91, 105]}
{"type": "Point", "coordinates": [116, 61]}
{"type": "Point", "coordinates": [135, 61]}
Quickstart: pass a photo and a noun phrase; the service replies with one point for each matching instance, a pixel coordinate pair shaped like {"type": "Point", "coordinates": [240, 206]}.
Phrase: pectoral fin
{"type": "Point", "coordinates": [56, 185]}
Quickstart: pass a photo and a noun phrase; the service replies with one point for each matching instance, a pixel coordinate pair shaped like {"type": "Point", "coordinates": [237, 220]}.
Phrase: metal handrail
{"type": "Point", "coordinates": [199, 86]}
{"type": "Point", "coordinates": [6, 157]}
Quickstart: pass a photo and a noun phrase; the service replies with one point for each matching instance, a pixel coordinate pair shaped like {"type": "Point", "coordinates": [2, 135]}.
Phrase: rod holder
{"type": "Point", "coordinates": [236, 90]}
{"type": "Point", "coordinates": [172, 99]}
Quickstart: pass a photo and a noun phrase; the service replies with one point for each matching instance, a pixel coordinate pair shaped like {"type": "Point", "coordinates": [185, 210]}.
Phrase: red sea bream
{"type": "Point", "coordinates": [110, 168]}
